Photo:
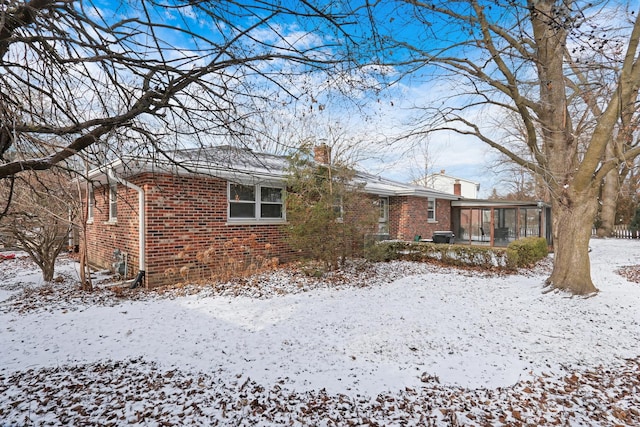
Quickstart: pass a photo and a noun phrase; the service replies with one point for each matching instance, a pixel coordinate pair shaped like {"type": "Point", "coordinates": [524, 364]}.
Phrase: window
{"type": "Point", "coordinates": [242, 201]}
{"type": "Point", "coordinates": [529, 222]}
{"type": "Point", "coordinates": [431, 209]}
{"type": "Point", "coordinates": [113, 201]}
{"type": "Point", "coordinates": [505, 223]}
{"type": "Point", "coordinates": [383, 205]}
{"type": "Point", "coordinates": [338, 208]}
{"type": "Point", "coordinates": [270, 202]}
{"type": "Point", "coordinates": [91, 201]}
{"type": "Point", "coordinates": [383, 215]}
{"type": "Point", "coordinates": [255, 202]}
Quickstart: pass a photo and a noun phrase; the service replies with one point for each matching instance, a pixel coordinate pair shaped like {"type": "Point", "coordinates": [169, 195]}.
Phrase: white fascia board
{"type": "Point", "coordinates": [130, 167]}
{"type": "Point", "coordinates": [241, 176]}
{"type": "Point", "coordinates": [396, 190]}
{"type": "Point", "coordinates": [428, 194]}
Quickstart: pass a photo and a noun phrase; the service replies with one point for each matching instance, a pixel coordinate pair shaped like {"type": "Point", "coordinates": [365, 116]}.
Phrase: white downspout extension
{"type": "Point", "coordinates": [141, 223]}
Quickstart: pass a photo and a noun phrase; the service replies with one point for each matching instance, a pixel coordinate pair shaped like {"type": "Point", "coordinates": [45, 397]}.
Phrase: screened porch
{"type": "Point", "coordinates": [497, 223]}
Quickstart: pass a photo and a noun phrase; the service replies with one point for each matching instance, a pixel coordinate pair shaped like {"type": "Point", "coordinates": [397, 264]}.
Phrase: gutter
{"type": "Point", "coordinates": [141, 225]}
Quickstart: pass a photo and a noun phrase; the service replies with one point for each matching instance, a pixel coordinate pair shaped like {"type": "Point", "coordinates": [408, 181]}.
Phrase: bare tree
{"type": "Point", "coordinates": [40, 218]}
{"type": "Point", "coordinates": [533, 58]}
{"type": "Point", "coordinates": [146, 76]}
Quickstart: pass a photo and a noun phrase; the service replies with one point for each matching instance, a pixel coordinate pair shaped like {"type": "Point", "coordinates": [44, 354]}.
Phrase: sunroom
{"type": "Point", "coordinates": [499, 222]}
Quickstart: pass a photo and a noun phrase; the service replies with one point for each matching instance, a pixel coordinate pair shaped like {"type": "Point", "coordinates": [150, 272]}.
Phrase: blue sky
{"type": "Point", "coordinates": [329, 108]}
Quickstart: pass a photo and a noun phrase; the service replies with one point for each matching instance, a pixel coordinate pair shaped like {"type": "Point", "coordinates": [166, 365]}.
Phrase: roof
{"type": "Point", "coordinates": [245, 165]}
{"type": "Point", "coordinates": [482, 203]}
{"type": "Point", "coordinates": [386, 187]}
{"type": "Point", "coordinates": [453, 178]}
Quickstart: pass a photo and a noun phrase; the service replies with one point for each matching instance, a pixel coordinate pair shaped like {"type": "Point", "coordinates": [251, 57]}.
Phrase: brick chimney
{"type": "Point", "coordinates": [322, 154]}
{"type": "Point", "coordinates": [457, 188]}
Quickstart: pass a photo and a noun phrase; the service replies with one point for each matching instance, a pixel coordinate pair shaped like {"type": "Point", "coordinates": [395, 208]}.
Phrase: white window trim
{"type": "Point", "coordinates": [257, 203]}
{"type": "Point", "coordinates": [91, 203]}
{"type": "Point", "coordinates": [385, 210]}
{"type": "Point", "coordinates": [113, 201]}
{"type": "Point", "coordinates": [383, 220]}
{"type": "Point", "coordinates": [435, 205]}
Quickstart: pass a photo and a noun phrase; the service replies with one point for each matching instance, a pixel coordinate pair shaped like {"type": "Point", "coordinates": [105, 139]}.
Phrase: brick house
{"type": "Point", "coordinates": [164, 221]}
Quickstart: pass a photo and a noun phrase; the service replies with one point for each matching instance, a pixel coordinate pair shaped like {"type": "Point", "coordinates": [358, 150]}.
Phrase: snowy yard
{"type": "Point", "coordinates": [392, 344]}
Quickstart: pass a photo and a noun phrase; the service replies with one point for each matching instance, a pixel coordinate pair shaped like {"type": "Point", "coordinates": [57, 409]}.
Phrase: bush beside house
{"type": "Point", "coordinates": [519, 254]}
{"type": "Point", "coordinates": [327, 215]}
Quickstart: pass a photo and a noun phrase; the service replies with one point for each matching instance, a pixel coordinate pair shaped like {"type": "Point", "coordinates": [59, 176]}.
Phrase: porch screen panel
{"type": "Point", "coordinates": [463, 232]}
{"type": "Point", "coordinates": [485, 230]}
{"type": "Point", "coordinates": [529, 222]}
{"type": "Point", "coordinates": [505, 230]}
{"type": "Point", "coordinates": [476, 225]}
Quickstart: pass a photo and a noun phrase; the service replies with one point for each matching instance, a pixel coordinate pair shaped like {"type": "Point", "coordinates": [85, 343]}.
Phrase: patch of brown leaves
{"type": "Point", "coordinates": [138, 392]}
{"type": "Point", "coordinates": [631, 273]}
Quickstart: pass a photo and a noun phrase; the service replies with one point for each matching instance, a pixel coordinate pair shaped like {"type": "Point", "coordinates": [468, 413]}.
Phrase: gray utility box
{"type": "Point", "coordinates": [443, 237]}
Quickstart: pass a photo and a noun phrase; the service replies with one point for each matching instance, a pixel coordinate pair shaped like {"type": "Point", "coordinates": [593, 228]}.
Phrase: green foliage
{"type": "Point", "coordinates": [634, 225]}
{"type": "Point", "coordinates": [526, 252]}
{"type": "Point", "coordinates": [327, 214]}
{"type": "Point", "coordinates": [520, 253]}
{"type": "Point", "coordinates": [376, 251]}
{"type": "Point", "coordinates": [458, 255]}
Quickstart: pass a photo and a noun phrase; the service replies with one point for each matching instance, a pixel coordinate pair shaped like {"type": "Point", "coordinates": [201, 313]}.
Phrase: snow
{"type": "Point", "coordinates": [404, 333]}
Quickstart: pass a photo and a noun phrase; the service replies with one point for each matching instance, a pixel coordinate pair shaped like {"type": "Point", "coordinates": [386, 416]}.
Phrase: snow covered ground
{"type": "Point", "coordinates": [391, 344]}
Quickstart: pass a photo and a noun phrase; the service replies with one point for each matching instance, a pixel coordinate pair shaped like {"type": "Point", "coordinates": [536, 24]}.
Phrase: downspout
{"type": "Point", "coordinates": [141, 226]}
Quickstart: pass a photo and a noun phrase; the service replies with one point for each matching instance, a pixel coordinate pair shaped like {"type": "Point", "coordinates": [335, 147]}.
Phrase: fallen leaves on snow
{"type": "Point", "coordinates": [291, 279]}
{"type": "Point", "coordinates": [138, 392]}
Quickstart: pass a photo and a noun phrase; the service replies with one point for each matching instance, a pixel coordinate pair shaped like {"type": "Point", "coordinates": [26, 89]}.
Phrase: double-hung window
{"type": "Point", "coordinates": [431, 209]}
{"type": "Point", "coordinates": [255, 202]}
{"type": "Point", "coordinates": [113, 202]}
{"type": "Point", "coordinates": [91, 202]}
{"type": "Point", "coordinates": [338, 209]}
{"type": "Point", "coordinates": [271, 202]}
{"type": "Point", "coordinates": [383, 216]}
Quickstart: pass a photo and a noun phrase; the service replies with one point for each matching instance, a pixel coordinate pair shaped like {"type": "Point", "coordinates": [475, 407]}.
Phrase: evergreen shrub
{"type": "Point", "coordinates": [526, 252]}
{"type": "Point", "coordinates": [520, 253]}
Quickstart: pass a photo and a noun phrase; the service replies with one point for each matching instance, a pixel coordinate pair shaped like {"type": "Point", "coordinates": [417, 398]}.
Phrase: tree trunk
{"type": "Point", "coordinates": [85, 272]}
{"type": "Point", "coordinates": [48, 269]}
{"type": "Point", "coordinates": [609, 198]}
{"type": "Point", "coordinates": [572, 231]}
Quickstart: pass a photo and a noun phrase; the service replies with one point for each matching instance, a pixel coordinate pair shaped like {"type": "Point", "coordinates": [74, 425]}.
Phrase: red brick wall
{"type": "Point", "coordinates": [187, 235]}
{"type": "Point", "coordinates": [104, 237]}
{"type": "Point", "coordinates": [408, 217]}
